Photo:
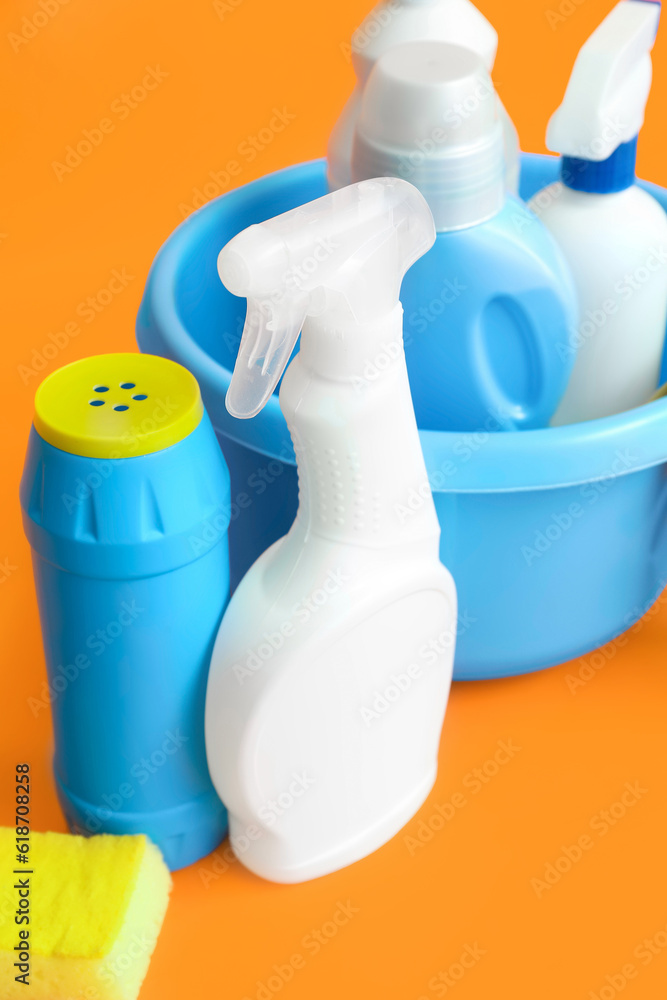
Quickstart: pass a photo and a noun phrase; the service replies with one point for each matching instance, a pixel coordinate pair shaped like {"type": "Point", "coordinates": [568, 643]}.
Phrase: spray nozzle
{"type": "Point", "coordinates": [346, 252]}
{"type": "Point", "coordinates": [606, 96]}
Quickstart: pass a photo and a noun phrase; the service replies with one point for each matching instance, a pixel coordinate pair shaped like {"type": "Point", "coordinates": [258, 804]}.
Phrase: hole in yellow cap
{"type": "Point", "coordinates": [100, 389]}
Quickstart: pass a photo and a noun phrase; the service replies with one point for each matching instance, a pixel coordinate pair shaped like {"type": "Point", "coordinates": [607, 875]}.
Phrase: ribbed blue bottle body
{"type": "Point", "coordinates": [131, 568]}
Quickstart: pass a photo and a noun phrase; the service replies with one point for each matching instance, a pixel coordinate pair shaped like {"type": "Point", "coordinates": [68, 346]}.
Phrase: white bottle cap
{"type": "Point", "coordinates": [605, 99]}
{"type": "Point", "coordinates": [395, 22]}
{"type": "Point", "coordinates": [430, 115]}
{"type": "Point", "coordinates": [343, 256]}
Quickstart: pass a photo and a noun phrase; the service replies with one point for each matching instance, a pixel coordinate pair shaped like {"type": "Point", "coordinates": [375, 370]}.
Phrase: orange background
{"type": "Point", "coordinates": [470, 884]}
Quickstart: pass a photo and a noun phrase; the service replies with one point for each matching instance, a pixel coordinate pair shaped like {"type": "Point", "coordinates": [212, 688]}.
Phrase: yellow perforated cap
{"type": "Point", "coordinates": [117, 406]}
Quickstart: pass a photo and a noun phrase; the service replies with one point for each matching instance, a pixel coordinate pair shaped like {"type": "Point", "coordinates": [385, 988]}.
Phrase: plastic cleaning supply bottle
{"type": "Point", "coordinates": [394, 22]}
{"type": "Point", "coordinates": [331, 672]}
{"type": "Point", "coordinates": [125, 498]}
{"type": "Point", "coordinates": [488, 306]}
{"type": "Point", "coordinates": [613, 233]}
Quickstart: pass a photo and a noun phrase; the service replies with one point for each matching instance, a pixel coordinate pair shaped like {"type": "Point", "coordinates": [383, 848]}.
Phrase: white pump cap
{"type": "Point", "coordinates": [394, 22]}
{"type": "Point", "coordinates": [346, 252]}
{"type": "Point", "coordinates": [605, 99]}
{"type": "Point", "coordinates": [429, 114]}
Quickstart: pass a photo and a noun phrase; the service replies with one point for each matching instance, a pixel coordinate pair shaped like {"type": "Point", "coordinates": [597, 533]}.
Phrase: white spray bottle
{"type": "Point", "coordinates": [331, 672]}
{"type": "Point", "coordinates": [612, 232]}
{"type": "Point", "coordinates": [394, 22]}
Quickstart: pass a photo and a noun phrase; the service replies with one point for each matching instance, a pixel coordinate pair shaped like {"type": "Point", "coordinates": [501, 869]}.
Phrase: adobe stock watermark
{"type": "Point", "coordinates": [563, 12]}
{"type": "Point", "coordinates": [82, 489]}
{"type": "Point", "coordinates": [239, 843]}
{"type": "Point", "coordinates": [424, 830]}
{"type": "Point", "coordinates": [102, 469]}
{"type": "Point", "coordinates": [539, 203]}
{"type": "Point", "coordinates": [232, 341]}
{"type": "Point", "coordinates": [391, 352]}
{"type": "Point", "coordinates": [115, 968]}
{"type": "Point", "coordinates": [370, 28]}
{"type": "Point", "coordinates": [247, 151]}
{"type": "Point", "coordinates": [294, 279]}
{"type": "Point", "coordinates": [256, 658]}
{"type": "Point", "coordinates": [225, 7]}
{"type": "Point", "coordinates": [88, 309]}
{"type": "Point", "coordinates": [634, 622]}
{"type": "Point", "coordinates": [150, 419]}
{"type": "Point", "coordinates": [445, 980]}
{"type": "Point", "coordinates": [645, 952]}
{"type": "Point", "coordinates": [466, 447]}
{"type": "Point", "coordinates": [96, 643]}
{"type": "Point", "coordinates": [403, 681]}
{"type": "Point", "coordinates": [7, 569]}
{"type": "Point", "coordinates": [524, 216]}
{"type": "Point", "coordinates": [422, 494]}
{"type": "Point", "coordinates": [312, 944]}
{"type": "Point", "coordinates": [452, 120]}
{"type": "Point", "coordinates": [32, 24]}
{"type": "Point", "coordinates": [382, 362]}
{"type": "Point", "coordinates": [623, 290]}
{"type": "Point", "coordinates": [140, 771]}
{"type": "Point", "coordinates": [214, 527]}
{"type": "Point", "coordinates": [600, 147]}
{"type": "Point", "coordinates": [419, 321]}
{"type": "Point", "coordinates": [601, 824]}
{"type": "Point", "coordinates": [298, 274]}
{"type": "Point", "coordinates": [563, 521]}
{"type": "Point", "coordinates": [121, 108]}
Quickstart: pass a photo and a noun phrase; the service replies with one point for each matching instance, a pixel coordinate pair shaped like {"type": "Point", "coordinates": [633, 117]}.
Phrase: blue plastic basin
{"type": "Point", "coordinates": [556, 538]}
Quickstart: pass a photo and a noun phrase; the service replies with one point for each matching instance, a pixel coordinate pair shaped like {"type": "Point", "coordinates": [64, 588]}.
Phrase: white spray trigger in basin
{"type": "Point", "coordinates": [607, 93]}
{"type": "Point", "coordinates": [346, 252]}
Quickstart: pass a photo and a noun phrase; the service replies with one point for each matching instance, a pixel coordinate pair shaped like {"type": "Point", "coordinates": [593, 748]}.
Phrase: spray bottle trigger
{"type": "Point", "coordinates": [270, 333]}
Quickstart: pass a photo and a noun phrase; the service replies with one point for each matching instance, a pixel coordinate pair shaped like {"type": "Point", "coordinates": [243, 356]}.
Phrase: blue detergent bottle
{"type": "Point", "coordinates": [125, 499]}
{"type": "Point", "coordinates": [490, 308]}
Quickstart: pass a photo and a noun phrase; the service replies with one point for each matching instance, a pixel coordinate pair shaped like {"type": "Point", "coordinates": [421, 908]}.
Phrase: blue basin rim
{"type": "Point", "coordinates": [486, 461]}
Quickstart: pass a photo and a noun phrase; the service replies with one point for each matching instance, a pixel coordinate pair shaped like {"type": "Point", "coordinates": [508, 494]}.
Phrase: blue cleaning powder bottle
{"type": "Point", "coordinates": [489, 309]}
{"type": "Point", "coordinates": [125, 498]}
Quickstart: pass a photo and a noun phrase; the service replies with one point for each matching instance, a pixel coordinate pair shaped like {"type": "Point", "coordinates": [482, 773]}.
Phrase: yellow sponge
{"type": "Point", "coordinates": [95, 908]}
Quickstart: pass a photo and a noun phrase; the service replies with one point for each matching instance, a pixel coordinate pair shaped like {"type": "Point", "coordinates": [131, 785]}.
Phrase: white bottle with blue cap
{"type": "Point", "coordinates": [612, 232]}
{"type": "Point", "coordinates": [331, 671]}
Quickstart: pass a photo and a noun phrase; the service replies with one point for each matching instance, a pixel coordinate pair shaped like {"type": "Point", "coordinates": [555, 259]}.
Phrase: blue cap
{"type": "Point", "coordinates": [609, 176]}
